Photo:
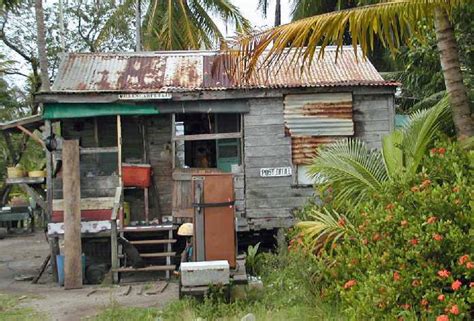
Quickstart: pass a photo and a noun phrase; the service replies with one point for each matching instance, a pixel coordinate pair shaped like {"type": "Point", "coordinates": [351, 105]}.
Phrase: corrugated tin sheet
{"type": "Point", "coordinates": [303, 148]}
{"type": "Point", "coordinates": [192, 70]}
{"type": "Point", "coordinates": [326, 114]}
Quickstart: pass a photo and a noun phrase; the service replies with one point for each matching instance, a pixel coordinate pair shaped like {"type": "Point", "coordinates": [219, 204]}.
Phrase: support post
{"type": "Point", "coordinates": [54, 247]}
{"type": "Point", "coordinates": [49, 178]}
{"type": "Point", "coordinates": [72, 215]}
{"type": "Point", "coordinates": [200, 253]}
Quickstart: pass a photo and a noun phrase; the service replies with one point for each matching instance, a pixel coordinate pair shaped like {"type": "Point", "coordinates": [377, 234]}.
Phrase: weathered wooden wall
{"type": "Point", "coordinates": [158, 133]}
{"type": "Point", "coordinates": [269, 201]}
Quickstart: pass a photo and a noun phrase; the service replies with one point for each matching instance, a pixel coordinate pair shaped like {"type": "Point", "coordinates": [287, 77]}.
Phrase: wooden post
{"type": "Point", "coordinates": [49, 179]}
{"type": "Point", "coordinates": [54, 247]}
{"type": "Point", "coordinates": [72, 215]}
{"type": "Point", "coordinates": [199, 253]}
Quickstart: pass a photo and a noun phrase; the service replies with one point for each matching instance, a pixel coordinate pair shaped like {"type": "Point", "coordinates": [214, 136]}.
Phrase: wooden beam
{"type": "Point", "coordinates": [119, 146]}
{"type": "Point", "coordinates": [173, 142]}
{"type": "Point", "coordinates": [72, 215]}
{"type": "Point", "coordinates": [33, 136]}
{"type": "Point", "coordinates": [34, 195]}
{"type": "Point", "coordinates": [49, 182]}
{"type": "Point", "coordinates": [98, 150]}
{"type": "Point", "coordinates": [207, 136]}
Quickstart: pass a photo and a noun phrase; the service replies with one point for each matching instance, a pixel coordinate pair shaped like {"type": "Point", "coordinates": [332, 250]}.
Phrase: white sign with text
{"type": "Point", "coordinates": [275, 172]}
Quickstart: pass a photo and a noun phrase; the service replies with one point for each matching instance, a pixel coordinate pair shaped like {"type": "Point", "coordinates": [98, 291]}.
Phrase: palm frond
{"type": "Point", "coordinates": [327, 227]}
{"type": "Point", "coordinates": [393, 22]}
{"type": "Point", "coordinates": [420, 131]}
{"type": "Point", "coordinates": [123, 11]}
{"type": "Point", "coordinates": [350, 168]}
{"type": "Point", "coordinates": [392, 153]}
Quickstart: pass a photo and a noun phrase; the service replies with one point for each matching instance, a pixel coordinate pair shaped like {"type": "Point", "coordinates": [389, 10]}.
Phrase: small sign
{"type": "Point", "coordinates": [275, 172]}
{"type": "Point", "coordinates": [145, 96]}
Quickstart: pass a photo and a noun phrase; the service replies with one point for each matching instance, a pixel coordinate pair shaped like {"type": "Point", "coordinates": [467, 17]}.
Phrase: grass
{"type": "Point", "coordinates": [288, 294]}
{"type": "Point", "coordinates": [11, 310]}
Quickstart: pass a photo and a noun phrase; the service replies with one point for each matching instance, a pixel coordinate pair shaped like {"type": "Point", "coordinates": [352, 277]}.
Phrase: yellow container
{"type": "Point", "coordinates": [15, 172]}
{"type": "Point", "coordinates": [126, 213]}
{"type": "Point", "coordinates": [37, 174]}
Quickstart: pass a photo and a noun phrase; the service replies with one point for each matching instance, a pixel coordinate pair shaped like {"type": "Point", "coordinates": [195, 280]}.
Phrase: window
{"type": "Point", "coordinates": [205, 140]}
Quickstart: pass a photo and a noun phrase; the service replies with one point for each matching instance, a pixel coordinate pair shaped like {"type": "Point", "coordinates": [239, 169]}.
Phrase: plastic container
{"type": "Point", "coordinates": [37, 174]}
{"type": "Point", "coordinates": [126, 213]}
{"type": "Point", "coordinates": [15, 172]}
{"type": "Point", "coordinates": [60, 264]}
{"type": "Point", "coordinates": [136, 175]}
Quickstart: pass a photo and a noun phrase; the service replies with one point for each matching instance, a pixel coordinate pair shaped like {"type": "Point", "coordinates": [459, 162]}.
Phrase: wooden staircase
{"type": "Point", "coordinates": [154, 244]}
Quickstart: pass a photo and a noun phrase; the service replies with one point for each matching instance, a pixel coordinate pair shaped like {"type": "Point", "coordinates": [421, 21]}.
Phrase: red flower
{"type": "Point", "coordinates": [433, 150]}
{"type": "Point", "coordinates": [414, 241]}
{"type": "Point", "coordinates": [470, 265]}
{"type": "Point", "coordinates": [390, 206]}
{"type": "Point", "coordinates": [441, 297]}
{"type": "Point", "coordinates": [396, 276]}
{"type": "Point", "coordinates": [454, 310]}
{"type": "Point", "coordinates": [456, 285]}
{"type": "Point", "coordinates": [415, 283]}
{"type": "Point", "coordinates": [404, 223]}
{"type": "Point", "coordinates": [471, 285]}
{"type": "Point", "coordinates": [376, 237]}
{"type": "Point", "coordinates": [425, 183]}
{"type": "Point", "coordinates": [431, 219]}
{"type": "Point", "coordinates": [437, 237]}
{"type": "Point", "coordinates": [441, 150]}
{"type": "Point", "coordinates": [442, 317]}
{"type": "Point", "coordinates": [415, 189]}
{"type": "Point", "coordinates": [463, 259]}
{"type": "Point", "coordinates": [349, 284]}
{"type": "Point", "coordinates": [456, 189]}
{"type": "Point", "coordinates": [444, 274]}
{"type": "Point", "coordinates": [341, 222]}
{"type": "Point", "coordinates": [424, 302]}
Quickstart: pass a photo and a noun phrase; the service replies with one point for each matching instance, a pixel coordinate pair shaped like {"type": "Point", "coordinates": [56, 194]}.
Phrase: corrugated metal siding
{"type": "Point", "coordinates": [193, 70]}
{"type": "Point", "coordinates": [315, 119]}
{"type": "Point", "coordinates": [303, 148]}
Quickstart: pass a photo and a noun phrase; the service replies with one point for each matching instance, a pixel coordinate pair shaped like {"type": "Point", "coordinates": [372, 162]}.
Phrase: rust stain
{"type": "Point", "coordinates": [304, 147]}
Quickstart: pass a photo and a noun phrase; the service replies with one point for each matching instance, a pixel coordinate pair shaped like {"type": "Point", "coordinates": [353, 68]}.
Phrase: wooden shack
{"type": "Point", "coordinates": [171, 112]}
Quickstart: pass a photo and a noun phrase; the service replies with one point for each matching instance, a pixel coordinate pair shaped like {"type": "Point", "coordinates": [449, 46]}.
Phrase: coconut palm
{"type": "Point", "coordinates": [263, 6]}
{"type": "Point", "coordinates": [354, 172]}
{"type": "Point", "coordinates": [41, 35]}
{"type": "Point", "coordinates": [180, 24]}
{"type": "Point", "coordinates": [393, 22]}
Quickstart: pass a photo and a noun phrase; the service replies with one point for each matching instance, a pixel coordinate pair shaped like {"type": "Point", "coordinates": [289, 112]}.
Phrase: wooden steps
{"type": "Point", "coordinates": [144, 229]}
{"type": "Point", "coordinates": [150, 268]}
{"type": "Point", "coordinates": [163, 241]}
{"type": "Point", "coordinates": [158, 254]}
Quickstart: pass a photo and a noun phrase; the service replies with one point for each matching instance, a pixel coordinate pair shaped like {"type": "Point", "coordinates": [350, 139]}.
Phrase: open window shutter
{"type": "Point", "coordinates": [314, 119]}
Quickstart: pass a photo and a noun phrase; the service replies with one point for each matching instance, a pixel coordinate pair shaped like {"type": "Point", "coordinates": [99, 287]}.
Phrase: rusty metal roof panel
{"type": "Point", "coordinates": [303, 148]}
{"type": "Point", "coordinates": [179, 71]}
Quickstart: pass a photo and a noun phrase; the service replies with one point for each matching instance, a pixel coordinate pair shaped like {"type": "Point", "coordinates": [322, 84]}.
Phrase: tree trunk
{"type": "Point", "coordinates": [138, 26]}
{"type": "Point", "coordinates": [278, 13]}
{"type": "Point", "coordinates": [41, 34]}
{"type": "Point", "coordinates": [453, 80]}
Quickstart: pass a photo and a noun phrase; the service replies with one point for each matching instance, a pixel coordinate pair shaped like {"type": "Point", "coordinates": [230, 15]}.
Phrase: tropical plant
{"type": "Point", "coordinates": [353, 171]}
{"type": "Point", "coordinates": [180, 24]}
{"type": "Point", "coordinates": [394, 22]}
{"type": "Point", "coordinates": [251, 259]}
{"type": "Point", "coordinates": [410, 255]}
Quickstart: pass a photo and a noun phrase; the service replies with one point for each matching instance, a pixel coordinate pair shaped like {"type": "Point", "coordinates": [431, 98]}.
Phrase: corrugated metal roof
{"type": "Point", "coordinates": [179, 71]}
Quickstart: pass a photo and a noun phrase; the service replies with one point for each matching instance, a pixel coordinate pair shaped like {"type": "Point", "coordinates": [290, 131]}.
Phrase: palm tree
{"type": "Point", "coordinates": [41, 35]}
{"type": "Point", "coordinates": [180, 24]}
{"type": "Point", "coordinates": [264, 4]}
{"type": "Point", "coordinates": [393, 22]}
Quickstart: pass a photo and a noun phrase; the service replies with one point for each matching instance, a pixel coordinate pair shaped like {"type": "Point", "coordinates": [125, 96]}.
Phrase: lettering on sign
{"type": "Point", "coordinates": [275, 172]}
{"type": "Point", "coordinates": [144, 96]}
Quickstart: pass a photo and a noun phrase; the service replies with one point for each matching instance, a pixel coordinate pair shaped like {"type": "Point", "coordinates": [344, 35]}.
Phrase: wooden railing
{"type": "Point", "coordinates": [114, 232]}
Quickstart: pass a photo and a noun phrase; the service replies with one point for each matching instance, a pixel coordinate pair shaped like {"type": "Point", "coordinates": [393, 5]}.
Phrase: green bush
{"type": "Point", "coordinates": [412, 254]}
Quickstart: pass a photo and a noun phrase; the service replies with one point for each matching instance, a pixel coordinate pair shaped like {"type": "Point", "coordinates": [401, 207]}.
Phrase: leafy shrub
{"type": "Point", "coordinates": [412, 254]}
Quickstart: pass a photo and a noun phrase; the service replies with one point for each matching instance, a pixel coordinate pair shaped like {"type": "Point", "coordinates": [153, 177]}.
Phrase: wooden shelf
{"type": "Point", "coordinates": [144, 242]}
{"type": "Point", "coordinates": [25, 180]}
{"type": "Point", "coordinates": [151, 228]}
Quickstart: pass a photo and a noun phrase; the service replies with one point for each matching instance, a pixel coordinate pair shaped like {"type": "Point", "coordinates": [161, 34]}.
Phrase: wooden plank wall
{"type": "Point", "coordinates": [158, 131]}
{"type": "Point", "coordinates": [269, 200]}
{"type": "Point", "coordinates": [374, 117]}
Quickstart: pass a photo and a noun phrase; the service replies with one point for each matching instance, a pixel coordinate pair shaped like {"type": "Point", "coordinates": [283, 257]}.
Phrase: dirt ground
{"type": "Point", "coordinates": [23, 255]}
